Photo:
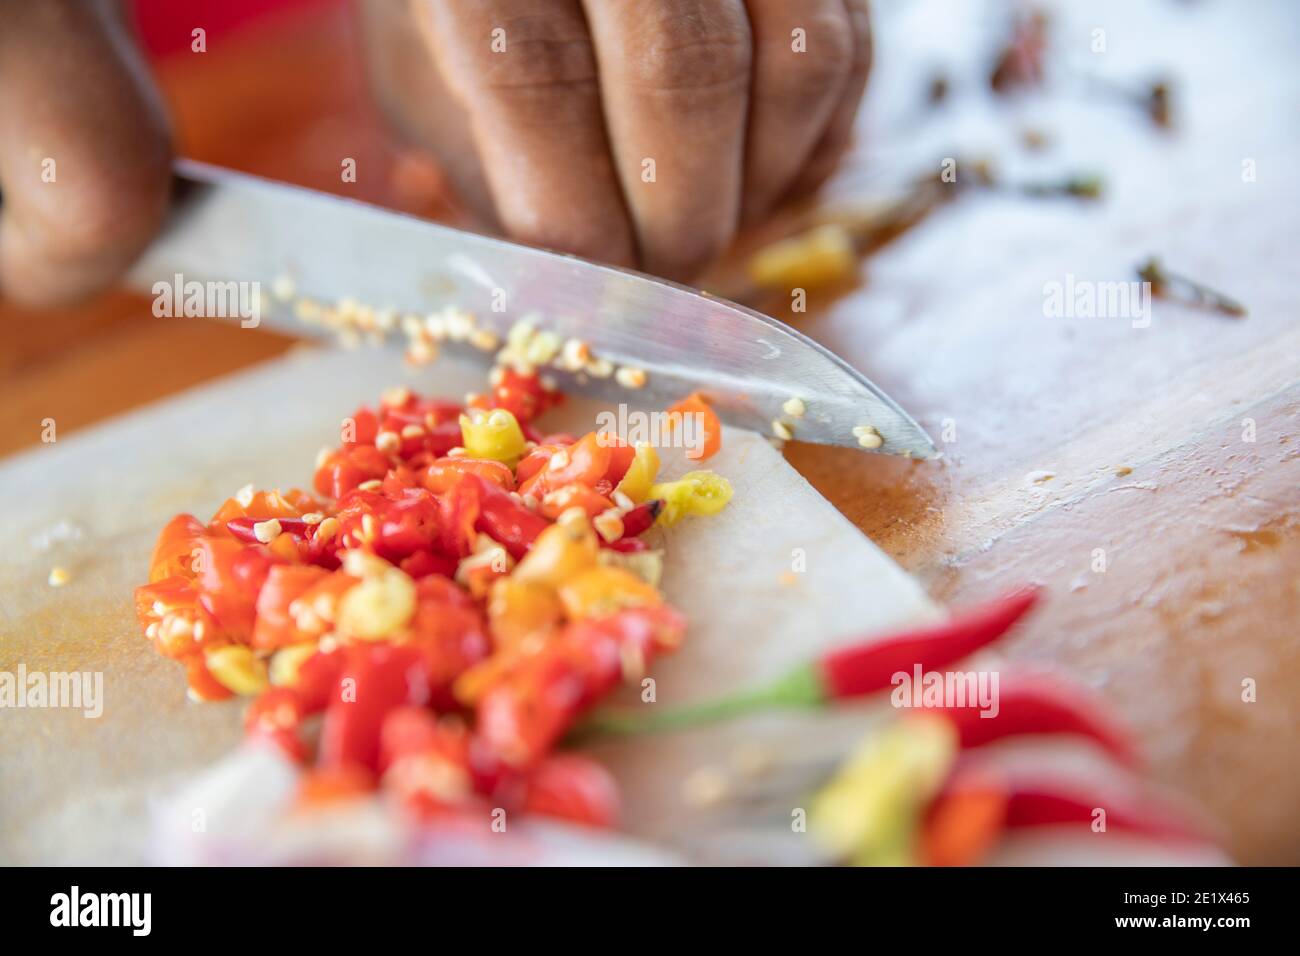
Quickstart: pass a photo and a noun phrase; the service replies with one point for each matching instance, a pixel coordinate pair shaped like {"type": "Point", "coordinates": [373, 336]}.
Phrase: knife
{"type": "Point", "coordinates": [227, 226]}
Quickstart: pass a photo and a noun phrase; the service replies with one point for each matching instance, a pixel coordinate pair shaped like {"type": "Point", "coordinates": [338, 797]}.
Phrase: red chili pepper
{"type": "Point", "coordinates": [537, 701]}
{"type": "Point", "coordinates": [374, 680]}
{"type": "Point", "coordinates": [1038, 704]}
{"type": "Point", "coordinates": [574, 788]}
{"type": "Point", "coordinates": [626, 545]}
{"type": "Point", "coordinates": [505, 519]}
{"type": "Point", "coordinates": [870, 666]}
{"type": "Point", "coordinates": [859, 669]}
{"type": "Point", "coordinates": [640, 518]}
{"type": "Point", "coordinates": [276, 716]}
{"type": "Point", "coordinates": [242, 528]}
{"type": "Point", "coordinates": [978, 805]}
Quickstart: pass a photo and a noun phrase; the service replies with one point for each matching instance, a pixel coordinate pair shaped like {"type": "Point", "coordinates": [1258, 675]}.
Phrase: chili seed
{"type": "Point", "coordinates": [630, 377]}
{"type": "Point", "coordinates": [267, 531]}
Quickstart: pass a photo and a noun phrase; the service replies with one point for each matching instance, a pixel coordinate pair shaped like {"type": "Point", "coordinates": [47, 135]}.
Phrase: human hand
{"type": "Point", "coordinates": [630, 132]}
{"type": "Point", "coordinates": [84, 150]}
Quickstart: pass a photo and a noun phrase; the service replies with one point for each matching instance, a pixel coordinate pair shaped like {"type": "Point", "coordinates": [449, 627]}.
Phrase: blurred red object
{"type": "Point", "coordinates": [166, 27]}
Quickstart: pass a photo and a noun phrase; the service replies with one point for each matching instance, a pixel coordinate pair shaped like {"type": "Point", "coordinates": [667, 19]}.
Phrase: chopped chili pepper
{"type": "Point", "coordinates": [505, 519]}
{"type": "Point", "coordinates": [641, 473]}
{"type": "Point", "coordinates": [710, 426]}
{"type": "Point", "coordinates": [368, 606]}
{"type": "Point", "coordinates": [538, 700]}
{"type": "Point", "coordinates": [374, 680]}
{"type": "Point", "coordinates": [695, 493]}
{"type": "Point", "coordinates": [445, 472]}
{"type": "Point", "coordinates": [345, 468]}
{"type": "Point", "coordinates": [277, 624]}
{"type": "Point", "coordinates": [584, 462]}
{"type": "Point", "coordinates": [174, 551]}
{"type": "Point", "coordinates": [627, 545]}
{"type": "Point", "coordinates": [640, 518]}
{"type": "Point", "coordinates": [574, 788]}
{"type": "Point", "coordinates": [321, 786]}
{"type": "Point", "coordinates": [574, 496]}
{"type": "Point", "coordinates": [277, 717]}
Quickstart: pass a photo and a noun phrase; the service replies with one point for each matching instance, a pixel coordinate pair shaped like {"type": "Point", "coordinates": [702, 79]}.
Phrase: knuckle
{"type": "Point", "coordinates": [827, 61]}
{"type": "Point", "coordinates": [111, 218]}
{"type": "Point", "coordinates": [543, 62]}
{"type": "Point", "coordinates": [682, 54]}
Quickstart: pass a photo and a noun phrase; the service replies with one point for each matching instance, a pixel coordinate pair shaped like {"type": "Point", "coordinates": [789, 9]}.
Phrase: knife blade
{"type": "Point", "coordinates": [230, 227]}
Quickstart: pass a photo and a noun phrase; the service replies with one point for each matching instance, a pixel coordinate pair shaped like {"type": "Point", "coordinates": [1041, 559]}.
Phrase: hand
{"type": "Point", "coordinates": [84, 150]}
{"type": "Point", "coordinates": [631, 131]}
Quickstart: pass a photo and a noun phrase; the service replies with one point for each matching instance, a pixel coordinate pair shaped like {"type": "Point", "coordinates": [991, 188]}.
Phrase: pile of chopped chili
{"type": "Point", "coordinates": [455, 593]}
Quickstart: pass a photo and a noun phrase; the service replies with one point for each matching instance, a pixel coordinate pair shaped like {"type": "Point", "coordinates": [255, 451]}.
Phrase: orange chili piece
{"type": "Point", "coordinates": [710, 427]}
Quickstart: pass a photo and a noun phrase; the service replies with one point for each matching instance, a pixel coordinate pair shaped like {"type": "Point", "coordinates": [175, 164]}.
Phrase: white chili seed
{"type": "Point", "coordinates": [267, 531]}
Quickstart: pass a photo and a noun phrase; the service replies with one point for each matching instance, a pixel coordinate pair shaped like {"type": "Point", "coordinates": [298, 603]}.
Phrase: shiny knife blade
{"type": "Point", "coordinates": [230, 227]}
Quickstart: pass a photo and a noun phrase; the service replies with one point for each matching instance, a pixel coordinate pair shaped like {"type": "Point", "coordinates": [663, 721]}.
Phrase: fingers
{"type": "Point", "coordinates": [413, 95]}
{"type": "Point", "coordinates": [525, 72]}
{"type": "Point", "coordinates": [803, 58]}
{"type": "Point", "coordinates": [675, 81]}
{"type": "Point", "coordinates": [84, 150]}
{"type": "Point", "coordinates": [839, 129]}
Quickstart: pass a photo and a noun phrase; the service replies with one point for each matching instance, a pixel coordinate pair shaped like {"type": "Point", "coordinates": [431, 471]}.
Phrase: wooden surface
{"type": "Point", "coordinates": [1201, 539]}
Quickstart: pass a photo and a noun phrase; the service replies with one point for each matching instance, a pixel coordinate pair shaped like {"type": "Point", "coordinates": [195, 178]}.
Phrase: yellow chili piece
{"type": "Point", "coordinates": [377, 607]}
{"type": "Point", "coordinates": [287, 661]}
{"type": "Point", "coordinates": [641, 473]}
{"type": "Point", "coordinates": [235, 668]}
{"type": "Point", "coordinates": [566, 548]}
{"type": "Point", "coordinates": [819, 256]}
{"type": "Point", "coordinates": [603, 590]}
{"type": "Point", "coordinates": [518, 610]}
{"type": "Point", "coordinates": [869, 813]}
{"type": "Point", "coordinates": [495, 435]}
{"type": "Point", "coordinates": [695, 493]}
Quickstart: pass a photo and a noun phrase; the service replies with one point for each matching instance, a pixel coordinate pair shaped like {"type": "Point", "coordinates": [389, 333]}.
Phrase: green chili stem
{"type": "Point", "coordinates": [800, 688]}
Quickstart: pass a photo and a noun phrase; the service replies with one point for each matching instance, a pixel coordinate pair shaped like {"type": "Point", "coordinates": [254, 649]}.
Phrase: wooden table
{"type": "Point", "coordinates": [1172, 449]}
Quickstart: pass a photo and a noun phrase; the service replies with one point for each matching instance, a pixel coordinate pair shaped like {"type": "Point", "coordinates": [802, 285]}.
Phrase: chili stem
{"type": "Point", "coordinates": [801, 688]}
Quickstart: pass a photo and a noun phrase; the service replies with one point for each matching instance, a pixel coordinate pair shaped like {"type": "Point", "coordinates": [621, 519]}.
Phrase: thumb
{"type": "Point", "coordinates": [84, 150]}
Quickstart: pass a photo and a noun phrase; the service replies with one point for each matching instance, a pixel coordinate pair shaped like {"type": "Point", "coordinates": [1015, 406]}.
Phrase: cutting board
{"type": "Point", "coordinates": [777, 575]}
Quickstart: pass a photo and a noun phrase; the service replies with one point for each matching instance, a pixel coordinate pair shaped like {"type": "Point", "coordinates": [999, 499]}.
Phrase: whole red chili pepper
{"type": "Point", "coordinates": [856, 670]}
{"type": "Point", "coordinates": [978, 805]}
{"type": "Point", "coordinates": [869, 666]}
{"type": "Point", "coordinates": [1038, 704]}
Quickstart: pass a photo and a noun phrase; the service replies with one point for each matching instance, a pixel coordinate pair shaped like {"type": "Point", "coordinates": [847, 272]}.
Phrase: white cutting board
{"type": "Point", "coordinates": [77, 790]}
